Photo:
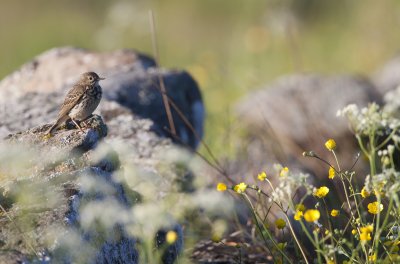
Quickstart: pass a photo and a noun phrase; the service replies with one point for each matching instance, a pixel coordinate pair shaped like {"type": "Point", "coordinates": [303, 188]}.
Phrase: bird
{"type": "Point", "coordinates": [80, 102]}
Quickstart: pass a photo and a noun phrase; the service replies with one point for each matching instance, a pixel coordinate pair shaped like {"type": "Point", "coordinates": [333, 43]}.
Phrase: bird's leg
{"type": "Point", "coordinates": [76, 124]}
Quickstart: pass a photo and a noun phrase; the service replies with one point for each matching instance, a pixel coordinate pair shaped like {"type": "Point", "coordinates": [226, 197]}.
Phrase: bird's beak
{"type": "Point", "coordinates": [102, 78]}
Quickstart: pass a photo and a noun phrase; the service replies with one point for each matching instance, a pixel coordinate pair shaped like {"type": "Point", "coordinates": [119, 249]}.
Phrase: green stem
{"type": "Point", "coordinates": [307, 233]}
{"type": "Point", "coordinates": [252, 209]}
{"type": "Point", "coordinates": [352, 193]}
{"type": "Point", "coordinates": [386, 219]}
{"type": "Point", "coordinates": [318, 246]}
{"type": "Point", "coordinates": [375, 244]}
{"type": "Point", "coordinates": [388, 212]}
{"type": "Point", "coordinates": [351, 211]}
{"type": "Point", "coordinates": [360, 143]}
{"type": "Point", "coordinates": [255, 219]}
{"type": "Point", "coordinates": [295, 238]}
{"type": "Point", "coordinates": [372, 155]}
{"type": "Point", "coordinates": [372, 163]}
{"type": "Point", "coordinates": [330, 226]}
{"type": "Point", "coordinates": [387, 139]}
{"type": "Point", "coordinates": [337, 161]}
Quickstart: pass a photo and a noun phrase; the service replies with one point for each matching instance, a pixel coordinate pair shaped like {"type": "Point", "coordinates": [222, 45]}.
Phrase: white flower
{"type": "Point", "coordinates": [287, 186]}
{"type": "Point", "coordinates": [370, 119]}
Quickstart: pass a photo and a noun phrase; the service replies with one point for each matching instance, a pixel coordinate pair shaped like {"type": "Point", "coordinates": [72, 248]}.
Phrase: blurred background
{"type": "Point", "coordinates": [230, 46]}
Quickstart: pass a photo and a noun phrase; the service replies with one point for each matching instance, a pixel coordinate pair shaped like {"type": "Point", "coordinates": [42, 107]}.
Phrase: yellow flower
{"type": "Point", "coordinates": [171, 237]}
{"type": "Point", "coordinates": [221, 187]}
{"type": "Point", "coordinates": [365, 232]}
{"type": "Point", "coordinates": [370, 228]}
{"type": "Point", "coordinates": [330, 144]}
{"type": "Point", "coordinates": [312, 215]}
{"type": "Point", "coordinates": [280, 223]}
{"type": "Point", "coordinates": [354, 231]}
{"type": "Point", "coordinates": [240, 188]}
{"type": "Point", "coordinates": [365, 236]}
{"type": "Point", "coordinates": [334, 212]}
{"type": "Point", "coordinates": [284, 172]}
{"type": "Point", "coordinates": [298, 215]}
{"type": "Point", "coordinates": [300, 207]}
{"type": "Point", "coordinates": [364, 193]}
{"type": "Point", "coordinates": [367, 229]}
{"type": "Point", "coordinates": [331, 173]}
{"type": "Point", "coordinates": [262, 176]}
{"type": "Point", "coordinates": [372, 257]}
{"type": "Point", "coordinates": [321, 192]}
{"type": "Point", "coordinates": [375, 208]}
{"type": "Point", "coordinates": [330, 261]}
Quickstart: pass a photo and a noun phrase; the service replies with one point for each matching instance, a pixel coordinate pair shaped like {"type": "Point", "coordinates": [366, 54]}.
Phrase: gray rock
{"type": "Point", "coordinates": [131, 80]}
{"type": "Point", "coordinates": [387, 78]}
{"type": "Point", "coordinates": [137, 133]}
{"type": "Point", "coordinates": [67, 140]}
{"type": "Point", "coordinates": [60, 173]}
{"type": "Point", "coordinates": [144, 143]}
{"type": "Point", "coordinates": [298, 113]}
{"type": "Point", "coordinates": [77, 210]}
{"type": "Point", "coordinates": [140, 92]}
{"type": "Point", "coordinates": [12, 257]}
{"type": "Point", "coordinates": [33, 109]}
{"type": "Point", "coordinates": [64, 180]}
{"type": "Point", "coordinates": [59, 68]}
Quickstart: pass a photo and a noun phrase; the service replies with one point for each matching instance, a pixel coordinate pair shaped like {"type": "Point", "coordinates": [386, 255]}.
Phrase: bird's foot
{"type": "Point", "coordinates": [77, 125]}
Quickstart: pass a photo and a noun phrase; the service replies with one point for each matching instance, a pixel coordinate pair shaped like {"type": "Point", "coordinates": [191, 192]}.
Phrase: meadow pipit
{"type": "Point", "coordinates": [81, 101]}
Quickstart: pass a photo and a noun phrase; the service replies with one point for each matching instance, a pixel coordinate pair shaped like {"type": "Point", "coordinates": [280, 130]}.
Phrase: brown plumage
{"type": "Point", "coordinates": [81, 101]}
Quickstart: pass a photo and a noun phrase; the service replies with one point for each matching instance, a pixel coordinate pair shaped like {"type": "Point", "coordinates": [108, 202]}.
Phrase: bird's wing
{"type": "Point", "coordinates": [71, 99]}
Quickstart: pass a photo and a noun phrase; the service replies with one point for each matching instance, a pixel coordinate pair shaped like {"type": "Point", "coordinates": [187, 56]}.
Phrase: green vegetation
{"type": "Point", "coordinates": [360, 227]}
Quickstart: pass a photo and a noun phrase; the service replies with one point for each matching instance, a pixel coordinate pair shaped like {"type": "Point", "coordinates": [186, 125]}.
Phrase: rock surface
{"type": "Point", "coordinates": [298, 113]}
{"type": "Point", "coordinates": [68, 175]}
{"type": "Point", "coordinates": [387, 78]}
{"type": "Point", "coordinates": [132, 80]}
{"type": "Point", "coordinates": [60, 178]}
{"type": "Point", "coordinates": [58, 69]}
{"type": "Point", "coordinates": [81, 185]}
{"type": "Point", "coordinates": [141, 93]}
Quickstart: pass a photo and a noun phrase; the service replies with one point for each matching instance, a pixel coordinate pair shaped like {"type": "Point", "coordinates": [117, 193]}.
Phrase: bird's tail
{"type": "Point", "coordinates": [57, 124]}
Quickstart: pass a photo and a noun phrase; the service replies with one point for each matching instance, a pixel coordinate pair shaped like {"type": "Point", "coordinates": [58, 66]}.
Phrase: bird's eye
{"type": "Point", "coordinates": [90, 78]}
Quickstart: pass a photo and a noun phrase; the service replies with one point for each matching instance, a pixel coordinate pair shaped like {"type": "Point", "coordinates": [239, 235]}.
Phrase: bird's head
{"type": "Point", "coordinates": [90, 78]}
